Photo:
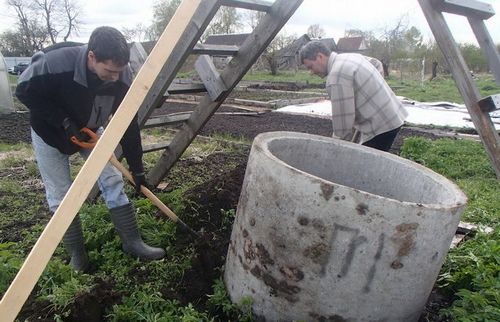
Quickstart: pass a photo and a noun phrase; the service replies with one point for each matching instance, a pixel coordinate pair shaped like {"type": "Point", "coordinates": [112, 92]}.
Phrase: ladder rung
{"type": "Point", "coordinates": [466, 8]}
{"type": "Point", "coordinates": [257, 5]}
{"type": "Point", "coordinates": [167, 120]}
{"type": "Point", "coordinates": [205, 68]}
{"type": "Point", "coordinates": [490, 103]}
{"type": "Point", "coordinates": [179, 88]}
{"type": "Point", "coordinates": [155, 147]}
{"type": "Point", "coordinates": [215, 50]}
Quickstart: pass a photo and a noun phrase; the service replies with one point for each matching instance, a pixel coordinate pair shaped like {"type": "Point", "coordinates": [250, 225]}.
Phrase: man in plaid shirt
{"type": "Point", "coordinates": [362, 102]}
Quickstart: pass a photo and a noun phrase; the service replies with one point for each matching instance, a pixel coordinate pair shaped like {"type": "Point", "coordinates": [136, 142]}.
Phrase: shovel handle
{"type": "Point", "coordinates": [157, 202]}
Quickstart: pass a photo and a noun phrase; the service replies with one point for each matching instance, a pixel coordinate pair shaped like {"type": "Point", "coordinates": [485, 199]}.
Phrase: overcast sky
{"type": "Point", "coordinates": [334, 16]}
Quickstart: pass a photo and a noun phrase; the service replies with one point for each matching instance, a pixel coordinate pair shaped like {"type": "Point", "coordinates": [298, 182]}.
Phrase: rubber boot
{"type": "Point", "coordinates": [123, 218]}
{"type": "Point", "coordinates": [74, 244]}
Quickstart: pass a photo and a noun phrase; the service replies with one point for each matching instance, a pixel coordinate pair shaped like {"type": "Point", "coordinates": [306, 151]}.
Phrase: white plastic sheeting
{"type": "Point", "coordinates": [428, 113]}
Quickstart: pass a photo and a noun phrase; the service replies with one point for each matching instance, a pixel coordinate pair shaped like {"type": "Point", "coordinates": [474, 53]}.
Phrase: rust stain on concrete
{"type": "Point", "coordinates": [362, 209]}
{"type": "Point", "coordinates": [326, 190]}
{"type": "Point", "coordinates": [404, 238]}
{"type": "Point", "coordinates": [292, 273]}
{"type": "Point", "coordinates": [303, 221]}
{"type": "Point", "coordinates": [319, 253]}
{"type": "Point", "coordinates": [278, 287]}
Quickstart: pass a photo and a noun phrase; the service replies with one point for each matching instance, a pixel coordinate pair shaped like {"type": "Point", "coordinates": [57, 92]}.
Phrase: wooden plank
{"type": "Point", "coordinates": [465, 228]}
{"type": "Point", "coordinates": [465, 83]}
{"type": "Point", "coordinates": [210, 76]}
{"type": "Point", "coordinates": [155, 147]}
{"type": "Point", "coordinates": [192, 33]}
{"type": "Point", "coordinates": [249, 52]}
{"type": "Point", "coordinates": [468, 8]}
{"type": "Point", "coordinates": [179, 88]}
{"type": "Point", "coordinates": [138, 56]}
{"type": "Point", "coordinates": [257, 5]}
{"type": "Point", "coordinates": [170, 119]}
{"type": "Point", "coordinates": [487, 45]}
{"type": "Point", "coordinates": [45, 246]}
{"type": "Point", "coordinates": [490, 103]}
{"type": "Point", "coordinates": [215, 50]}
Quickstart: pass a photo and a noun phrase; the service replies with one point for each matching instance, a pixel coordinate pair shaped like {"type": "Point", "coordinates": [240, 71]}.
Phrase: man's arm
{"type": "Point", "coordinates": [36, 89]}
{"type": "Point", "coordinates": [132, 147]}
{"type": "Point", "coordinates": [343, 110]}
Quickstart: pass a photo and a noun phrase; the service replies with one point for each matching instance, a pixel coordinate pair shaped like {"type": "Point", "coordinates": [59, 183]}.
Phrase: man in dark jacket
{"type": "Point", "coordinates": [68, 87]}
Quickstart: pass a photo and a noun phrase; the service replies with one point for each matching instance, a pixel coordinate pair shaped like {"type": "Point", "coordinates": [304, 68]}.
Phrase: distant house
{"type": "Point", "coordinates": [288, 57]}
{"type": "Point", "coordinates": [352, 45]}
{"type": "Point", "coordinates": [227, 40]}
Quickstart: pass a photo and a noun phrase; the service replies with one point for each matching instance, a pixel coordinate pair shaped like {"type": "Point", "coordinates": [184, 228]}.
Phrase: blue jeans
{"type": "Point", "coordinates": [55, 172]}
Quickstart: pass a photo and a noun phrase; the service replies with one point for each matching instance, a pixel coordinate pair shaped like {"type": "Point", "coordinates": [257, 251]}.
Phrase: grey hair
{"type": "Point", "coordinates": [312, 49]}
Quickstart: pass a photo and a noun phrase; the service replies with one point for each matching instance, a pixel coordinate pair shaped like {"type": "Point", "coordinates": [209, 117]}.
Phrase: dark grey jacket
{"type": "Point", "coordinates": [58, 84]}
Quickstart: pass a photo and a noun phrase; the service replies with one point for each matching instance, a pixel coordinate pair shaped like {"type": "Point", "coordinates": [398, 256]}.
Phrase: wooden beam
{"type": "Point", "coordinates": [249, 52]}
{"type": "Point", "coordinates": [487, 45]}
{"type": "Point", "coordinates": [138, 56]}
{"type": "Point", "coordinates": [171, 119]}
{"type": "Point", "coordinates": [210, 76]}
{"type": "Point", "coordinates": [215, 50]}
{"type": "Point", "coordinates": [490, 103]}
{"type": "Point", "coordinates": [465, 83]}
{"type": "Point", "coordinates": [468, 8]}
{"type": "Point", "coordinates": [192, 33]}
{"type": "Point", "coordinates": [181, 88]}
{"type": "Point", "coordinates": [155, 147]}
{"type": "Point", "coordinates": [258, 5]}
{"type": "Point", "coordinates": [35, 263]}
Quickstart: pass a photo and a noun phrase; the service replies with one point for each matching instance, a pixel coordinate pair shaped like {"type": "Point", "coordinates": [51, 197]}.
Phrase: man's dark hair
{"type": "Point", "coordinates": [312, 49]}
{"type": "Point", "coordinates": [107, 43]}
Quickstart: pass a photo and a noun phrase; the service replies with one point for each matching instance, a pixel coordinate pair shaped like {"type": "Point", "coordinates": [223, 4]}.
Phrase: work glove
{"type": "Point", "coordinates": [139, 180]}
{"type": "Point", "coordinates": [73, 130]}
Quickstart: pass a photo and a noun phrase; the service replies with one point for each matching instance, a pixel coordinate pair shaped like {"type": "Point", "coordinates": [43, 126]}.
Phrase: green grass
{"type": "Point", "coordinates": [471, 273]}
{"type": "Point", "coordinates": [442, 88]}
{"type": "Point", "coordinates": [137, 284]}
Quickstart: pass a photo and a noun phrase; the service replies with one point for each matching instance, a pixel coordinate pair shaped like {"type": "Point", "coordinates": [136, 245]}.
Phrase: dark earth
{"type": "Point", "coordinates": [220, 191]}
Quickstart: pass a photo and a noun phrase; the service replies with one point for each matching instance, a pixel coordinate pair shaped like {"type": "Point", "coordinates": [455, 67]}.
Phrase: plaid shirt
{"type": "Point", "coordinates": [361, 99]}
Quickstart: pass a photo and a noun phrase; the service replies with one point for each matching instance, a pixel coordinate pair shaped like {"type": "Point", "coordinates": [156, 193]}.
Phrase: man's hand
{"type": "Point", "coordinates": [72, 130]}
{"type": "Point", "coordinates": [139, 180]}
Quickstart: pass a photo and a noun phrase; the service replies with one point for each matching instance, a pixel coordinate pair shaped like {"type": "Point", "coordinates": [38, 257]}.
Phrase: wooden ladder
{"type": "Point", "coordinates": [217, 86]}
{"type": "Point", "coordinates": [479, 109]}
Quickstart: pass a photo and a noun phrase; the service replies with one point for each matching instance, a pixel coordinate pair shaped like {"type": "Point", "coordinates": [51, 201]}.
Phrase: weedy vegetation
{"type": "Point", "coordinates": [471, 274]}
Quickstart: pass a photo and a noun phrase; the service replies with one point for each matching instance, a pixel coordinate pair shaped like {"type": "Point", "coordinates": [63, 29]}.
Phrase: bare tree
{"type": "Point", "coordinates": [60, 16]}
{"type": "Point", "coordinates": [139, 33]}
{"type": "Point", "coordinates": [47, 7]}
{"type": "Point", "coordinates": [252, 18]}
{"type": "Point", "coordinates": [226, 21]}
{"type": "Point", "coordinates": [315, 31]}
{"type": "Point", "coordinates": [274, 51]}
{"type": "Point", "coordinates": [12, 43]}
{"type": "Point", "coordinates": [40, 22]}
{"type": "Point", "coordinates": [72, 10]}
{"type": "Point", "coordinates": [29, 26]}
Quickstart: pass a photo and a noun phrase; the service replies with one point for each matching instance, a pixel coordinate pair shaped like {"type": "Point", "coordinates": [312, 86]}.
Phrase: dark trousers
{"type": "Point", "coordinates": [383, 141]}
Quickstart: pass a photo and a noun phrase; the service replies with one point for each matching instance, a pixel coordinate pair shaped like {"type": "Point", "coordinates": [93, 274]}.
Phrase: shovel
{"type": "Point", "coordinates": [114, 161]}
